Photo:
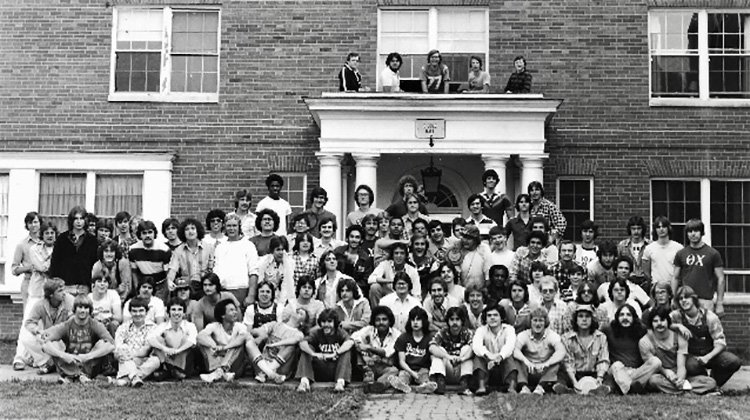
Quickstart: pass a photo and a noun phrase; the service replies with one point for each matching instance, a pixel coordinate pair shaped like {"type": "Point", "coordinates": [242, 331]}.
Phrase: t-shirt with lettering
{"type": "Point", "coordinates": [417, 356]}
{"type": "Point", "coordinates": [697, 269]}
{"type": "Point", "coordinates": [327, 344]}
{"type": "Point", "coordinates": [79, 339]}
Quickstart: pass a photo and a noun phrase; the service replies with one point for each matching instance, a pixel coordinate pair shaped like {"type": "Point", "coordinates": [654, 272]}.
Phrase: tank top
{"type": "Point", "coordinates": [668, 356]}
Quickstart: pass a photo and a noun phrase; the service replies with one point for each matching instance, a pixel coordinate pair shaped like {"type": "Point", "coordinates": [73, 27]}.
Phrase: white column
{"type": "Point", "coordinates": [532, 169]}
{"type": "Point", "coordinates": [367, 172]}
{"type": "Point", "coordinates": [498, 162]}
{"type": "Point", "coordinates": [330, 180]}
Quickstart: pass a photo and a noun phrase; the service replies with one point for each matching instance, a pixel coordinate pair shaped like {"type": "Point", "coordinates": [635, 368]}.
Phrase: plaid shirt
{"type": "Point", "coordinates": [552, 213]}
{"type": "Point", "coordinates": [592, 358]}
{"type": "Point", "coordinates": [519, 268]}
{"type": "Point", "coordinates": [556, 316]}
{"type": "Point", "coordinates": [305, 267]}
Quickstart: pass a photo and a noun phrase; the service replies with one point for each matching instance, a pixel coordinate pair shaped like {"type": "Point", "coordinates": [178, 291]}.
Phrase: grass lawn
{"type": "Point", "coordinates": [173, 400]}
{"type": "Point", "coordinates": [652, 406]}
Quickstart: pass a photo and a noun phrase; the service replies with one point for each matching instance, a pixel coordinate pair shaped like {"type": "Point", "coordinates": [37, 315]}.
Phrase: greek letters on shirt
{"type": "Point", "coordinates": [695, 259]}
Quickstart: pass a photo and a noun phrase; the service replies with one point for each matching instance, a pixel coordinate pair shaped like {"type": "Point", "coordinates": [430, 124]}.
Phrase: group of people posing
{"type": "Point", "coordinates": [497, 303]}
{"type": "Point", "coordinates": [434, 76]}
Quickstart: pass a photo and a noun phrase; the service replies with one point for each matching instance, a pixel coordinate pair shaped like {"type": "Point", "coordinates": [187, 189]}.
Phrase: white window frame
{"type": "Point", "coordinates": [590, 180]}
{"type": "Point", "coordinates": [90, 203]}
{"type": "Point", "coordinates": [432, 37]}
{"type": "Point", "coordinates": [285, 189]}
{"type": "Point", "coordinates": [705, 184]}
{"type": "Point", "coordinates": [5, 256]}
{"type": "Point", "coordinates": [165, 94]}
{"type": "Point", "coordinates": [24, 170]}
{"type": "Point", "coordinates": [703, 99]}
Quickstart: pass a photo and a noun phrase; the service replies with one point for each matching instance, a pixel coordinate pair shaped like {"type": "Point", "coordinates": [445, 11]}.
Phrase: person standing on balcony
{"type": "Point", "coordinates": [435, 75]}
{"type": "Point", "coordinates": [479, 80]}
{"type": "Point", "coordinates": [390, 79]}
{"type": "Point", "coordinates": [350, 80]}
{"type": "Point", "coordinates": [520, 80]}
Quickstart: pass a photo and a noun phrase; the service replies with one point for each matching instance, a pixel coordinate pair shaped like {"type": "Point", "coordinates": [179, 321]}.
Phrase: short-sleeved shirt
{"type": "Point", "coordinates": [328, 344]}
{"type": "Point", "coordinates": [477, 81]}
{"type": "Point", "coordinates": [435, 77]}
{"type": "Point", "coordinates": [391, 79]}
{"type": "Point", "coordinates": [417, 356]}
{"type": "Point", "coordinates": [79, 339]}
{"type": "Point", "coordinates": [282, 209]}
{"type": "Point", "coordinates": [156, 309]}
{"type": "Point", "coordinates": [453, 343]}
{"type": "Point", "coordinates": [661, 258]}
{"type": "Point", "coordinates": [665, 351]}
{"type": "Point", "coordinates": [104, 307]}
{"type": "Point", "coordinates": [697, 269]}
{"type": "Point", "coordinates": [538, 350]}
{"type": "Point", "coordinates": [623, 348]}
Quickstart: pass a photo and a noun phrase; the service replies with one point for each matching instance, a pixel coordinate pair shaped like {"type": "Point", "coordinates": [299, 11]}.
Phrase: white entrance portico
{"type": "Point", "coordinates": [374, 127]}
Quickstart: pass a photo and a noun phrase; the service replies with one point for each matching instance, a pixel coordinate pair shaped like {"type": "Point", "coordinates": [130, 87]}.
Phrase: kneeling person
{"type": "Point", "coordinates": [537, 357]}
{"type": "Point", "coordinates": [325, 354]}
{"type": "Point", "coordinates": [132, 350]}
{"type": "Point", "coordinates": [78, 346]}
{"type": "Point", "coordinates": [452, 356]}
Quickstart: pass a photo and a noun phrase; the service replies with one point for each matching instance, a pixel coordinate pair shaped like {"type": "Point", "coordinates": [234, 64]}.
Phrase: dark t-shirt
{"type": "Point", "coordinates": [327, 344]}
{"type": "Point", "coordinates": [417, 356]}
{"type": "Point", "coordinates": [79, 339]}
{"type": "Point", "coordinates": [697, 269]}
{"type": "Point", "coordinates": [623, 349]}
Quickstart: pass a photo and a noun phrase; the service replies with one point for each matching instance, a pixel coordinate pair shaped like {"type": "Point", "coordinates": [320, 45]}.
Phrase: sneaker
{"type": "Point", "coordinates": [84, 379]}
{"type": "Point", "coordinates": [525, 390]}
{"type": "Point", "coordinates": [375, 388]}
{"type": "Point", "coordinates": [463, 387]}
{"type": "Point", "coordinates": [561, 389]}
{"type": "Point", "coordinates": [399, 385]}
{"type": "Point", "coordinates": [137, 382]}
{"type": "Point", "coordinates": [440, 381]}
{"type": "Point", "coordinates": [686, 386]}
{"type": "Point", "coordinates": [481, 391]}
{"type": "Point", "coordinates": [261, 377]}
{"type": "Point", "coordinates": [19, 365]}
{"type": "Point", "coordinates": [466, 392]}
{"type": "Point", "coordinates": [428, 387]}
{"type": "Point", "coordinates": [340, 384]}
{"type": "Point", "coordinates": [213, 376]}
{"type": "Point", "coordinates": [228, 376]}
{"type": "Point", "coordinates": [304, 385]}
{"type": "Point", "coordinates": [539, 390]}
{"type": "Point", "coordinates": [278, 379]}
{"type": "Point", "coordinates": [63, 380]}
{"type": "Point", "coordinates": [601, 390]}
{"type": "Point", "coordinates": [45, 369]}
{"type": "Point", "coordinates": [369, 377]}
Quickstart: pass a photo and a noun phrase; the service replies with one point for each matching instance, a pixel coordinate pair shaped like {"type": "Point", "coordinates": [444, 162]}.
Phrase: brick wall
{"type": "Point", "coordinates": [11, 315]}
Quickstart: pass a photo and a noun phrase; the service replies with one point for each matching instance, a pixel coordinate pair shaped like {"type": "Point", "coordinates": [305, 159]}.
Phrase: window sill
{"type": "Point", "coordinates": [737, 299]}
{"type": "Point", "coordinates": [694, 102]}
{"type": "Point", "coordinates": [160, 97]}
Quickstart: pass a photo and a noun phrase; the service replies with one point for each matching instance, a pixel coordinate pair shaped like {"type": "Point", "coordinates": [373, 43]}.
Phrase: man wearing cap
{"type": "Point", "coordinates": [469, 256]}
{"type": "Point", "coordinates": [495, 204]}
{"type": "Point", "coordinates": [587, 354]}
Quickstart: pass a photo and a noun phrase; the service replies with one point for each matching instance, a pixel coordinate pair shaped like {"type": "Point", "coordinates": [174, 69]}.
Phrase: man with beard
{"type": "Point", "coordinates": [671, 349]}
{"type": "Point", "coordinates": [325, 354]}
{"type": "Point", "coordinates": [538, 355]}
{"type": "Point", "coordinates": [375, 346]}
{"type": "Point", "coordinates": [628, 370]}
{"type": "Point", "coordinates": [438, 303]}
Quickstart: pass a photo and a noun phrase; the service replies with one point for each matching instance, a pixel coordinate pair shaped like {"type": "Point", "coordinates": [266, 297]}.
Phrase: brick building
{"type": "Point", "coordinates": [638, 107]}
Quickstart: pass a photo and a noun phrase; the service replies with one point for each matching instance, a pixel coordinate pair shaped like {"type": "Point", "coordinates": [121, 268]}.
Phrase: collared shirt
{"type": "Point", "coordinates": [40, 257]}
{"type": "Point", "coordinates": [44, 315]}
{"type": "Point", "coordinates": [185, 328]}
{"type": "Point", "coordinates": [436, 313]}
{"type": "Point", "coordinates": [369, 335]}
{"type": "Point", "coordinates": [387, 270]}
{"type": "Point", "coordinates": [495, 204]}
{"type": "Point", "coordinates": [519, 268]}
{"type": "Point", "coordinates": [400, 308]}
{"type": "Point", "coordinates": [539, 350]}
{"type": "Point", "coordinates": [305, 266]}
{"type": "Point", "coordinates": [192, 263]}
{"type": "Point", "coordinates": [484, 225]}
{"type": "Point", "coordinates": [556, 315]}
{"type": "Point", "coordinates": [453, 343]}
{"type": "Point", "coordinates": [485, 341]}
{"type": "Point", "coordinates": [326, 289]}
{"type": "Point", "coordinates": [409, 223]}
{"type": "Point", "coordinates": [625, 247]}
{"type": "Point", "coordinates": [551, 212]}
{"type": "Point", "coordinates": [22, 254]}
{"type": "Point", "coordinates": [519, 230]}
{"type": "Point", "coordinates": [519, 82]}
{"type": "Point", "coordinates": [358, 316]}
{"type": "Point", "coordinates": [131, 337]}
{"type": "Point", "coordinates": [593, 357]}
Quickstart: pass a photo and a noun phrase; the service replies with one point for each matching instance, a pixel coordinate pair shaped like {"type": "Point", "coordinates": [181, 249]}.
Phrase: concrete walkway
{"type": "Point", "coordinates": [419, 406]}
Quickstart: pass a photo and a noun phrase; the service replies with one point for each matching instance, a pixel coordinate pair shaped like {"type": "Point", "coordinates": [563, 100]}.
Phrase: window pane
{"type": "Point", "coordinates": [675, 31]}
{"type": "Point", "coordinates": [738, 283]}
{"type": "Point", "coordinates": [730, 230]}
{"type": "Point", "coordinates": [195, 32]}
{"type": "Point", "coordinates": [729, 55]}
{"type": "Point", "coordinates": [58, 193]}
{"type": "Point", "coordinates": [679, 201]}
{"type": "Point", "coordinates": [294, 191]}
{"type": "Point", "coordinates": [575, 203]}
{"type": "Point", "coordinates": [4, 183]}
{"type": "Point", "coordinates": [137, 72]}
{"type": "Point", "coordinates": [461, 30]}
{"type": "Point", "coordinates": [674, 76]}
{"type": "Point", "coordinates": [116, 193]}
{"type": "Point", "coordinates": [191, 74]}
{"type": "Point", "coordinates": [139, 29]}
{"type": "Point", "coordinates": [404, 31]}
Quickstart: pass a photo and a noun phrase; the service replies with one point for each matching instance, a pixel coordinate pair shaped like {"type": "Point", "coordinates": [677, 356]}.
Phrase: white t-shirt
{"type": "Point", "coordinates": [281, 207]}
{"type": "Point", "coordinates": [234, 262]}
{"type": "Point", "coordinates": [155, 309]}
{"type": "Point", "coordinates": [584, 257]}
{"type": "Point", "coordinates": [637, 294]}
{"type": "Point", "coordinates": [104, 308]}
{"type": "Point", "coordinates": [391, 79]}
{"type": "Point", "coordinates": [504, 257]}
{"type": "Point", "coordinates": [661, 258]}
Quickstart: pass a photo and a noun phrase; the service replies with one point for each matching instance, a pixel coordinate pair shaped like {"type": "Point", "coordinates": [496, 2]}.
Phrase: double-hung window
{"type": "Point", "coordinates": [457, 32]}
{"type": "Point", "coordinates": [724, 208]}
{"type": "Point", "coordinates": [699, 57]}
{"type": "Point", "coordinates": [575, 200]}
{"type": "Point", "coordinates": [165, 54]}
